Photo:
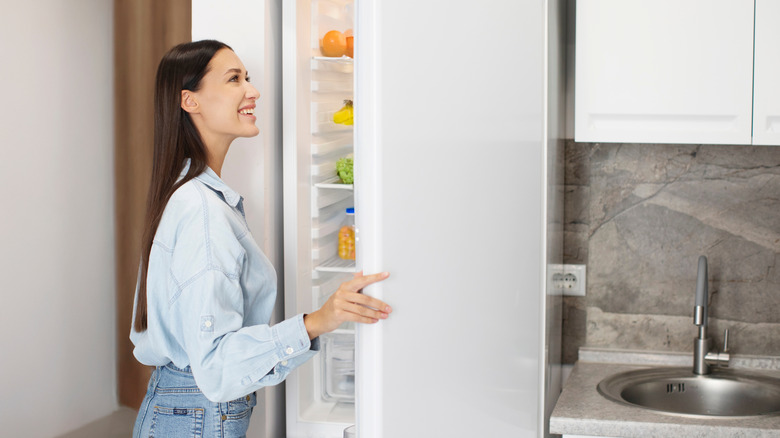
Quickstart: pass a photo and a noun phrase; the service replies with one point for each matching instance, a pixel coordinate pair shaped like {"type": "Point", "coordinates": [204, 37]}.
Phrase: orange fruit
{"type": "Point", "coordinates": [350, 47]}
{"type": "Point", "coordinates": [333, 44]}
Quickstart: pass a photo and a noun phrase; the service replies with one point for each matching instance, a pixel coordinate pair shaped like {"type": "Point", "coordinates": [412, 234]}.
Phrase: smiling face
{"type": "Point", "coordinates": [223, 107]}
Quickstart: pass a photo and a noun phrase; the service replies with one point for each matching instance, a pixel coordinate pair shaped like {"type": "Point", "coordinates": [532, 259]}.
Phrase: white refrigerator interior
{"type": "Point", "coordinates": [321, 393]}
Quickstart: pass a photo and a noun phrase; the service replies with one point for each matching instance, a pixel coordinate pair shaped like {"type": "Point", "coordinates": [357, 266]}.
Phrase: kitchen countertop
{"type": "Point", "coordinates": [581, 410]}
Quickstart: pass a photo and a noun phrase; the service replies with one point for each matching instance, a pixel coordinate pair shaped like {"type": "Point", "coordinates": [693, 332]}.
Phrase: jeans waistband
{"type": "Point", "coordinates": [173, 367]}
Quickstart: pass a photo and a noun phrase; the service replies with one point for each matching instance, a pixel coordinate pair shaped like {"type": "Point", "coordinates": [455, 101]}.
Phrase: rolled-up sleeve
{"type": "Point", "coordinates": [227, 360]}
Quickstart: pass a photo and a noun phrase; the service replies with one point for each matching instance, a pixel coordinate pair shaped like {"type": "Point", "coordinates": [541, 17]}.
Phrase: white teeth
{"type": "Point", "coordinates": [247, 111]}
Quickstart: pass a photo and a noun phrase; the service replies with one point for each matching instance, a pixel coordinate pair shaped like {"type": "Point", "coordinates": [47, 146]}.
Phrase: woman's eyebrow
{"type": "Point", "coordinates": [234, 70]}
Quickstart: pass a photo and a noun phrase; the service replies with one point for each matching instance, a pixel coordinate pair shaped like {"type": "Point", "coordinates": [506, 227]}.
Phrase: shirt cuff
{"type": "Point", "coordinates": [292, 338]}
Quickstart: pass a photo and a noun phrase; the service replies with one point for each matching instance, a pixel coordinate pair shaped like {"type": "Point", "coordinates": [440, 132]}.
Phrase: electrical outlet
{"type": "Point", "coordinates": [567, 279]}
{"type": "Point", "coordinates": [554, 279]}
{"type": "Point", "coordinates": [574, 280]}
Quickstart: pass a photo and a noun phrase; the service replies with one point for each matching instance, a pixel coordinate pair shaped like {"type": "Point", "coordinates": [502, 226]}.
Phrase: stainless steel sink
{"type": "Point", "coordinates": [678, 391]}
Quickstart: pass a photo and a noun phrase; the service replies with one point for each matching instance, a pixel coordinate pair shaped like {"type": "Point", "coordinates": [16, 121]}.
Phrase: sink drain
{"type": "Point", "coordinates": [675, 387]}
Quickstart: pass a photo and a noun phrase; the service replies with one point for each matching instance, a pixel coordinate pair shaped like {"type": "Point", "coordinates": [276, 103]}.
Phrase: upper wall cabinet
{"type": "Point", "coordinates": [674, 71]}
{"type": "Point", "coordinates": [766, 74]}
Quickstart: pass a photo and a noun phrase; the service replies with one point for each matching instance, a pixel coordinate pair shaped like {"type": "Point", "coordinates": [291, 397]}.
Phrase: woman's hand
{"type": "Point", "coordinates": [348, 304]}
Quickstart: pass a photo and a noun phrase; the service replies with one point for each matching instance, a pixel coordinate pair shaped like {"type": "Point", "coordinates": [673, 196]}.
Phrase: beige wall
{"type": "Point", "coordinates": [57, 320]}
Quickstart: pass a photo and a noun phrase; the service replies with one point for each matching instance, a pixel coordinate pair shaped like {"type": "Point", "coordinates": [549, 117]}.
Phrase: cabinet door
{"type": "Point", "coordinates": [664, 71]}
{"type": "Point", "coordinates": [766, 74]}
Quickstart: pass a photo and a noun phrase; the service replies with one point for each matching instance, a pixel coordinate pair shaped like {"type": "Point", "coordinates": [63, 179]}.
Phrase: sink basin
{"type": "Point", "coordinates": [724, 393]}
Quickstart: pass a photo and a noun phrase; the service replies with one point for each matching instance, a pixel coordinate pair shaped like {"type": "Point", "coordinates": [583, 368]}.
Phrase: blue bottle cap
{"type": "Point", "coordinates": [351, 210]}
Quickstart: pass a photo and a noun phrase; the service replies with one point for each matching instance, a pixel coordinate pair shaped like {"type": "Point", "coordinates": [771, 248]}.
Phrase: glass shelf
{"type": "Point", "coordinates": [334, 184]}
{"type": "Point", "coordinates": [337, 264]}
{"type": "Point", "coordinates": [341, 60]}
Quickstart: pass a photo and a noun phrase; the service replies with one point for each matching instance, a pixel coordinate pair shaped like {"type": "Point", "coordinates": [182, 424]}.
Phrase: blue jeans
{"type": "Point", "coordinates": [174, 407]}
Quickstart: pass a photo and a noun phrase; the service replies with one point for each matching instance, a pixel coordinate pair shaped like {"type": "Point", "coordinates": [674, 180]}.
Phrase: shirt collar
{"type": "Point", "coordinates": [210, 178]}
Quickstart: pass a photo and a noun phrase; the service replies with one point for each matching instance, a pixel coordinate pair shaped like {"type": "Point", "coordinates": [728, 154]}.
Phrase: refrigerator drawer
{"type": "Point", "coordinates": [338, 367]}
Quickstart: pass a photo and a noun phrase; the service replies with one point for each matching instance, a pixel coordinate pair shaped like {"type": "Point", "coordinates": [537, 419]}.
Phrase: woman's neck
{"type": "Point", "coordinates": [216, 153]}
{"type": "Point", "coordinates": [215, 163]}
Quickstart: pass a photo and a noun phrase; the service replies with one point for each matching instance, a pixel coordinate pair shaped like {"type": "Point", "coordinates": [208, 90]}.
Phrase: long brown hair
{"type": "Point", "coordinates": [175, 139]}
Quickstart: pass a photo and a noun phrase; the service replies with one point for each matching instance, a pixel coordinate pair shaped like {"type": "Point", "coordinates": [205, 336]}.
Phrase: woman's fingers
{"type": "Point", "coordinates": [370, 311]}
{"type": "Point", "coordinates": [359, 313]}
{"type": "Point", "coordinates": [360, 281]}
{"type": "Point", "coordinates": [357, 306]}
{"type": "Point", "coordinates": [371, 302]}
{"type": "Point", "coordinates": [365, 300]}
{"type": "Point", "coordinates": [363, 314]}
{"type": "Point", "coordinates": [367, 305]}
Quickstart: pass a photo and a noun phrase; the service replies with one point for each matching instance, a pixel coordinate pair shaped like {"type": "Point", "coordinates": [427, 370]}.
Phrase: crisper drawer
{"type": "Point", "coordinates": [338, 367]}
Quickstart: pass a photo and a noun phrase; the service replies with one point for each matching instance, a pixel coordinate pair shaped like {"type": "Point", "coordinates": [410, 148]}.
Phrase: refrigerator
{"type": "Point", "coordinates": [457, 145]}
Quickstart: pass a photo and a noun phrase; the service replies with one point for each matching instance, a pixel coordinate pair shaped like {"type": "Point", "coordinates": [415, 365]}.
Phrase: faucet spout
{"type": "Point", "coordinates": [701, 345]}
{"type": "Point", "coordinates": [702, 293]}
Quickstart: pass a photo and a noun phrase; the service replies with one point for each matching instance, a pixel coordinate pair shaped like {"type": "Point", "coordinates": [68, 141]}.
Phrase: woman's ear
{"type": "Point", "coordinates": [188, 102]}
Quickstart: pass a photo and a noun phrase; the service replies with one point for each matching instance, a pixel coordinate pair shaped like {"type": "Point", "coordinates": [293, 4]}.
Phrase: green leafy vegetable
{"type": "Point", "coordinates": [344, 170]}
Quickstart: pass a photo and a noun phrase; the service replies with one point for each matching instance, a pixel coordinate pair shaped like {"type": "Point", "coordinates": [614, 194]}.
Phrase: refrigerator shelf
{"type": "Point", "coordinates": [327, 127]}
{"type": "Point", "coordinates": [320, 118]}
{"type": "Point", "coordinates": [333, 184]}
{"type": "Point", "coordinates": [336, 264]}
{"type": "Point", "coordinates": [323, 168]}
{"type": "Point", "coordinates": [326, 283]}
{"type": "Point", "coordinates": [324, 145]}
{"type": "Point", "coordinates": [341, 331]}
{"type": "Point", "coordinates": [330, 87]}
{"type": "Point", "coordinates": [326, 200]}
{"type": "Point", "coordinates": [332, 413]}
{"type": "Point", "coordinates": [324, 215]}
{"type": "Point", "coordinates": [340, 60]}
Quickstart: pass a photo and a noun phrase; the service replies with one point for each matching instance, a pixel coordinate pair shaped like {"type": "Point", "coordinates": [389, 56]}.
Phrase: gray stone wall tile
{"type": "Point", "coordinates": [639, 216]}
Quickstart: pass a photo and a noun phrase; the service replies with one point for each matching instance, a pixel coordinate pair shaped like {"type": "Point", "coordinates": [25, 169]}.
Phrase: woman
{"type": "Point", "coordinates": [206, 291]}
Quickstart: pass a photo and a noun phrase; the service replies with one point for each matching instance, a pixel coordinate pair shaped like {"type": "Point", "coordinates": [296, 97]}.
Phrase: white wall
{"type": "Point", "coordinates": [57, 311]}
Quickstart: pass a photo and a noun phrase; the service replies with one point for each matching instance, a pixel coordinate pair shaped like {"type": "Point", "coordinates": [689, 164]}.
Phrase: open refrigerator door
{"type": "Point", "coordinates": [318, 136]}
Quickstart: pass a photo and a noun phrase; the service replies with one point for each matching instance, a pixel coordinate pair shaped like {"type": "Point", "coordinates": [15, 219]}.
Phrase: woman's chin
{"type": "Point", "coordinates": [251, 132]}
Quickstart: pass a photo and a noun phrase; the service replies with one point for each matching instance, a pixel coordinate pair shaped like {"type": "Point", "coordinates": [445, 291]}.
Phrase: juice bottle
{"type": "Point", "coordinates": [347, 236]}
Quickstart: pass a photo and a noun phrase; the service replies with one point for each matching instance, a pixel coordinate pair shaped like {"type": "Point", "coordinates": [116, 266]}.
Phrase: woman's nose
{"type": "Point", "coordinates": [252, 92]}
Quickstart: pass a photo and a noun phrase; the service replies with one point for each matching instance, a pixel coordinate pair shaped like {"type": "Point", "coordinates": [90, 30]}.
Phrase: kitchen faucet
{"type": "Point", "coordinates": [702, 356]}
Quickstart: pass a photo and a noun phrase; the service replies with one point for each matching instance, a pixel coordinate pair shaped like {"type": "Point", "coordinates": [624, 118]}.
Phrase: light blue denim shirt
{"type": "Point", "coordinates": [210, 294]}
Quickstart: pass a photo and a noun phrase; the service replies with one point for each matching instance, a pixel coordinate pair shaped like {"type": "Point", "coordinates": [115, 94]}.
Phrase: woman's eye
{"type": "Point", "coordinates": [233, 78]}
{"type": "Point", "coordinates": [247, 79]}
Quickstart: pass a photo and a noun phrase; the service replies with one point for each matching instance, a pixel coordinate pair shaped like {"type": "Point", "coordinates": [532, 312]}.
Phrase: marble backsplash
{"type": "Point", "coordinates": [639, 216]}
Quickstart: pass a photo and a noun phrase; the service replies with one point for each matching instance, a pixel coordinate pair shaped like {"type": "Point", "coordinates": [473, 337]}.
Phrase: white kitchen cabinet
{"type": "Point", "coordinates": [766, 74]}
{"type": "Point", "coordinates": [664, 71]}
